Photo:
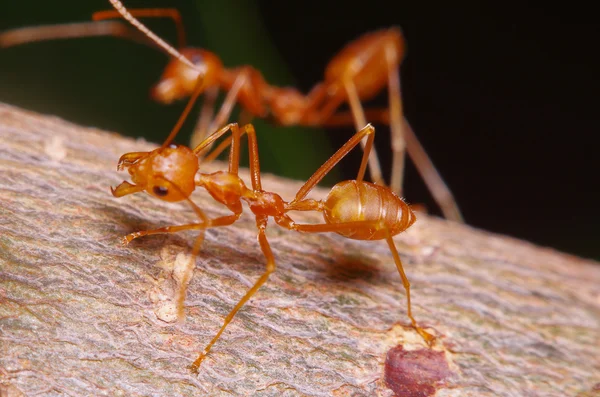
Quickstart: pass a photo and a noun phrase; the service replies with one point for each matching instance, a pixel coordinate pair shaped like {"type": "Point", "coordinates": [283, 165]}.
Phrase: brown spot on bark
{"type": "Point", "coordinates": [415, 373]}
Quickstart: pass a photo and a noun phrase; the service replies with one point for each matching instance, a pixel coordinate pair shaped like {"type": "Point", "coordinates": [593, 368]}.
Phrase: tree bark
{"type": "Point", "coordinates": [82, 315]}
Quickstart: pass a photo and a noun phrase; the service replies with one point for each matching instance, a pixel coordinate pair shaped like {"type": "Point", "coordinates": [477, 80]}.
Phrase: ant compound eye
{"type": "Point", "coordinates": [160, 191]}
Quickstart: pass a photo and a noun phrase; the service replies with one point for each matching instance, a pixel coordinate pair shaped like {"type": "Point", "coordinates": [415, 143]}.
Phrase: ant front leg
{"type": "Point", "coordinates": [205, 117]}
{"type": "Point", "coordinates": [206, 224]}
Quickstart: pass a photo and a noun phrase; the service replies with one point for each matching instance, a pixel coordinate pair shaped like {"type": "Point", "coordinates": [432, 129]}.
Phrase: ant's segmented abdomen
{"type": "Point", "coordinates": [353, 201]}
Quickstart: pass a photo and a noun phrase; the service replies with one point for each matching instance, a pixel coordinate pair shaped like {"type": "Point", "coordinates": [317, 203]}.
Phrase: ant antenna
{"type": "Point", "coordinates": [172, 51]}
{"type": "Point", "coordinates": [152, 13]}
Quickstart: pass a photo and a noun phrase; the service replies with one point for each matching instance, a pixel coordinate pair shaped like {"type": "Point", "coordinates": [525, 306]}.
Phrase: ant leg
{"type": "Point", "coordinates": [206, 224]}
{"type": "Point", "coordinates": [253, 157]}
{"type": "Point", "coordinates": [432, 178]}
{"type": "Point", "coordinates": [359, 122]}
{"type": "Point", "coordinates": [312, 116]}
{"type": "Point", "coordinates": [368, 130]}
{"type": "Point", "coordinates": [206, 114]}
{"type": "Point", "coordinates": [33, 34]}
{"type": "Point", "coordinates": [226, 108]}
{"type": "Point", "coordinates": [425, 335]}
{"type": "Point", "coordinates": [171, 13]}
{"type": "Point", "coordinates": [396, 124]}
{"type": "Point", "coordinates": [245, 118]}
{"type": "Point", "coordinates": [197, 91]}
{"type": "Point", "coordinates": [348, 226]}
{"type": "Point", "coordinates": [261, 223]}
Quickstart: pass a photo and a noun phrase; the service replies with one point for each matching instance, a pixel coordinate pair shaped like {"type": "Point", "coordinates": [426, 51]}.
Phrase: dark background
{"type": "Point", "coordinates": [504, 98]}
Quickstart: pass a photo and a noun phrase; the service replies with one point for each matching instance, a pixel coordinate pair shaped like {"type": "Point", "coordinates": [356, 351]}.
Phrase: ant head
{"type": "Point", "coordinates": [166, 173]}
{"type": "Point", "coordinates": [179, 80]}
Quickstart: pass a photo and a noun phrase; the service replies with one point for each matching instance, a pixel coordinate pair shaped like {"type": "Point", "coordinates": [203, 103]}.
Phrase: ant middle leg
{"type": "Point", "coordinates": [261, 223]}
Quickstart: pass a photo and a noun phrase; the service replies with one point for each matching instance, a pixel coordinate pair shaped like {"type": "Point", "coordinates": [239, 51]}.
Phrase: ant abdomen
{"type": "Point", "coordinates": [353, 201]}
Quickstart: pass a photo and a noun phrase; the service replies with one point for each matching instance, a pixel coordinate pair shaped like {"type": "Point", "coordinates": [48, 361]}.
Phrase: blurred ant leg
{"type": "Point", "coordinates": [186, 112]}
{"type": "Point", "coordinates": [226, 108]}
{"type": "Point", "coordinates": [317, 113]}
{"type": "Point", "coordinates": [360, 122]}
{"type": "Point", "coordinates": [202, 226]}
{"type": "Point", "coordinates": [171, 13]}
{"type": "Point", "coordinates": [261, 224]}
{"type": "Point", "coordinates": [436, 185]}
{"type": "Point", "coordinates": [142, 28]}
{"type": "Point", "coordinates": [33, 34]}
{"type": "Point", "coordinates": [396, 118]}
{"type": "Point", "coordinates": [368, 131]}
{"type": "Point", "coordinates": [206, 115]}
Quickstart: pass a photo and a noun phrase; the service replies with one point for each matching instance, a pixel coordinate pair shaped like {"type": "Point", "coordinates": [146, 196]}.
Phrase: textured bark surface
{"type": "Point", "coordinates": [82, 315]}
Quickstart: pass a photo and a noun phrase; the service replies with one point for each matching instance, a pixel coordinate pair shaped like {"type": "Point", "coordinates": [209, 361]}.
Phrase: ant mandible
{"type": "Point", "coordinates": [354, 209]}
{"type": "Point", "coordinates": [358, 72]}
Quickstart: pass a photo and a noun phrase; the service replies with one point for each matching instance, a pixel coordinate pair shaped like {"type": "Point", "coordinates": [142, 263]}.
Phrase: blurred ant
{"type": "Point", "coordinates": [354, 209]}
{"type": "Point", "coordinates": [358, 72]}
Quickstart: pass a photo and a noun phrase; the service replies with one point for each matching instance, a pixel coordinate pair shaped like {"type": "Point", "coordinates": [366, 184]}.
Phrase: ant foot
{"type": "Point", "coordinates": [196, 365]}
{"type": "Point", "coordinates": [127, 239]}
{"type": "Point", "coordinates": [427, 337]}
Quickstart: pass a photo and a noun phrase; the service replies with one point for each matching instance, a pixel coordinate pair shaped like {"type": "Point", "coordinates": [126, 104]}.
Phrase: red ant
{"type": "Point", "coordinates": [359, 72]}
{"type": "Point", "coordinates": [354, 209]}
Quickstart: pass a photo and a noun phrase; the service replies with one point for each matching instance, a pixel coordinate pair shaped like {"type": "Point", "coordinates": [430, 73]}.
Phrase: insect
{"type": "Point", "coordinates": [354, 208]}
{"type": "Point", "coordinates": [361, 70]}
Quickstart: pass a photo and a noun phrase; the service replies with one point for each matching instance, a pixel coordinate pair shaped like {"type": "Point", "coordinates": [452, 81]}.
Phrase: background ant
{"type": "Point", "coordinates": [362, 69]}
